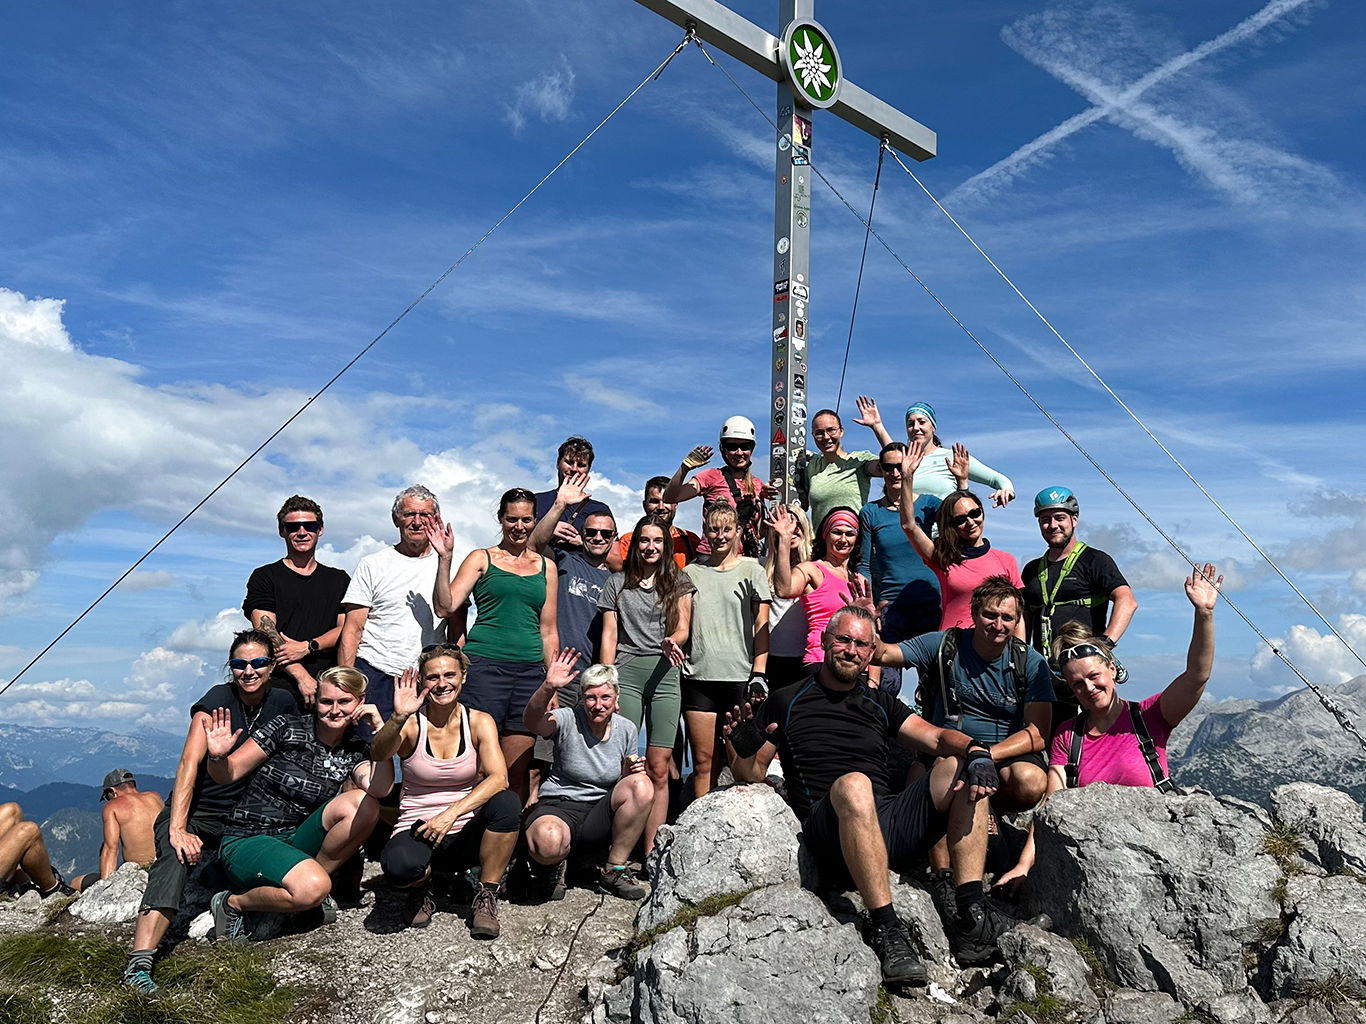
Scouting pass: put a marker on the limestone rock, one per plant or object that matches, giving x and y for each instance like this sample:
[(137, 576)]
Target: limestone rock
[(1326, 937), (201, 927), (1167, 889), (1330, 820), (730, 841), (113, 899), (1245, 1007), (1130, 1007), (778, 955), (1068, 975)]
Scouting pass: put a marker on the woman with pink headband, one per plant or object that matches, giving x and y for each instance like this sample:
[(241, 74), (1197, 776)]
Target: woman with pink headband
[(822, 583)]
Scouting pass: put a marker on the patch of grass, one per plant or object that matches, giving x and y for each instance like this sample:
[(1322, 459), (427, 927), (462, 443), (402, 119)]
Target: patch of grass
[(218, 985), (1096, 977), (1283, 841), (881, 1013), (1045, 1009), (1331, 991), (17, 1008), (55, 906), (685, 918), (1193, 1016), (1279, 889)]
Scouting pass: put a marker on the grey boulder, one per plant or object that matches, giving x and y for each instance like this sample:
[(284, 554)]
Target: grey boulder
[(777, 955), (1329, 819), (113, 899), (730, 841), (1167, 889), (1325, 940), (1068, 976)]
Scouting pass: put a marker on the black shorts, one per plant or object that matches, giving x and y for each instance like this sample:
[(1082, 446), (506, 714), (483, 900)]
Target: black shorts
[(405, 857), (590, 823), (501, 690), (910, 823), (712, 698), (1038, 759)]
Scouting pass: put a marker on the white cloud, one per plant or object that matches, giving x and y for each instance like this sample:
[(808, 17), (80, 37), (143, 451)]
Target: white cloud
[(1320, 656), (598, 392), (211, 634), (548, 96), (159, 684), (348, 558), (154, 580)]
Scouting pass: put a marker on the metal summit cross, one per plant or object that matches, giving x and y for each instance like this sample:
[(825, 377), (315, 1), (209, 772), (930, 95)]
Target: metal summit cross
[(805, 64)]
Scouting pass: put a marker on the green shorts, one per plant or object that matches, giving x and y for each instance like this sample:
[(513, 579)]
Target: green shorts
[(252, 861), (649, 694)]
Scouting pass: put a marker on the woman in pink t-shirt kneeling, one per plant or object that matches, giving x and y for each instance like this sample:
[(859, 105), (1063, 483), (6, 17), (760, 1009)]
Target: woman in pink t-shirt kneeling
[(1106, 742)]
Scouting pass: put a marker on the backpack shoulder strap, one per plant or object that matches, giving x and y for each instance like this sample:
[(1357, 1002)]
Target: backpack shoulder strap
[(1073, 769), (1019, 668), (1161, 782), (948, 680)]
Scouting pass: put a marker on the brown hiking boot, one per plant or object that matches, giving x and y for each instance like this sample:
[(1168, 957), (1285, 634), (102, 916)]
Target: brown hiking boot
[(484, 914), (421, 907)]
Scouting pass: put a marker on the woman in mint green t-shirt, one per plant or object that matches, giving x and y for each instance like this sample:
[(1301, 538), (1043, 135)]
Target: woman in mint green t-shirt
[(839, 478)]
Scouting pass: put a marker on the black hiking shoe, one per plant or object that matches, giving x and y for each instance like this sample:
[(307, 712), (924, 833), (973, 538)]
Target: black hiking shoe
[(945, 895), (900, 965), (974, 933)]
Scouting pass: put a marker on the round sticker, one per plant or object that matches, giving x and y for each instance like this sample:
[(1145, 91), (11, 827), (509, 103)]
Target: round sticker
[(785, 142), (783, 244)]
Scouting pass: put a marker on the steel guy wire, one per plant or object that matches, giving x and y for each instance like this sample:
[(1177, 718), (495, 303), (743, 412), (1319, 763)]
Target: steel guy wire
[(1134, 416), (858, 285), (1329, 704), (354, 359)]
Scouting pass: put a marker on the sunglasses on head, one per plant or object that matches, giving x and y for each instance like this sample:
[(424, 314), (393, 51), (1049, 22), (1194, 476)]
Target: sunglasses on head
[(311, 525), (1081, 651), (591, 532), (240, 664), (962, 520)]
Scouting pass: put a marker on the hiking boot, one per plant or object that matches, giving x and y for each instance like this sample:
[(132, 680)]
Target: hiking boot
[(900, 965), (58, 889), (974, 933), (944, 894), (228, 924), (547, 881), (329, 910), (613, 880), (484, 914), (421, 907), (140, 981)]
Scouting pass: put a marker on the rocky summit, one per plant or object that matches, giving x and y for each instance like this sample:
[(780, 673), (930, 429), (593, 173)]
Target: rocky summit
[(1178, 908)]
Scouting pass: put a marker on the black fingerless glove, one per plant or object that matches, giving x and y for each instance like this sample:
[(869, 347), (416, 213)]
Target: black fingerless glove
[(747, 738), (981, 770)]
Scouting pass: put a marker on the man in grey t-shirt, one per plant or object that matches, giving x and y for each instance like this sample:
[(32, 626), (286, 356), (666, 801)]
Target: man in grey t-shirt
[(598, 794)]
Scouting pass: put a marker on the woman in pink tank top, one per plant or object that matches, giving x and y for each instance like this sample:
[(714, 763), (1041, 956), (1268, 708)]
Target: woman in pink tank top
[(822, 583), (448, 819)]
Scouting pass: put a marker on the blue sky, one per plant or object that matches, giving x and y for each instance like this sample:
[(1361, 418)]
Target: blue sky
[(205, 209)]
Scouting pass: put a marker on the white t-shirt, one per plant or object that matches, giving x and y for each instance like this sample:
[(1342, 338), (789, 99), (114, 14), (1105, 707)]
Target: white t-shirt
[(398, 591)]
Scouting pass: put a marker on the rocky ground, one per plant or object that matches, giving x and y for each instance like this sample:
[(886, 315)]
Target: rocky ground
[(1167, 909)]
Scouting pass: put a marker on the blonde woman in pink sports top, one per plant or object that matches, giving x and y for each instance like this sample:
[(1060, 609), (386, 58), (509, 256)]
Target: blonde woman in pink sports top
[(822, 583), (455, 810)]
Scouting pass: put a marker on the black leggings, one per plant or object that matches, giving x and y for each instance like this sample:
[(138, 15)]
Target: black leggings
[(406, 858)]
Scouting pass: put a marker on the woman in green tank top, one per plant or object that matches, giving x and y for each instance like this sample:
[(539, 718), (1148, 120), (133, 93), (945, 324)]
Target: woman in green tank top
[(514, 636)]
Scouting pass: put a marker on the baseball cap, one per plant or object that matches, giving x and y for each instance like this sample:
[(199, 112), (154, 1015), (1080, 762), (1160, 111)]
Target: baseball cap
[(118, 777)]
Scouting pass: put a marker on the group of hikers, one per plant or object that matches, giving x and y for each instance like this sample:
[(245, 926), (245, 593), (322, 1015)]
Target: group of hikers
[(766, 646)]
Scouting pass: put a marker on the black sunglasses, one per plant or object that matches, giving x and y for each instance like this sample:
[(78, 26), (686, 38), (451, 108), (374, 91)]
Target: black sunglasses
[(737, 446), (975, 513), (240, 664), (605, 534), (311, 525), (895, 467)]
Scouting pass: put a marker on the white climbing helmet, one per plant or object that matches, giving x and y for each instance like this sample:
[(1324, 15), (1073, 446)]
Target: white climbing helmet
[(738, 428)]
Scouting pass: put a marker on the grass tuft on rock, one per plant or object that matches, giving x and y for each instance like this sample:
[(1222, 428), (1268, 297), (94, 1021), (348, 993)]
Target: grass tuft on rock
[(55, 906), (1283, 841), (1096, 977), (1332, 991), (218, 985), (881, 1011), (685, 918), (1044, 1008)]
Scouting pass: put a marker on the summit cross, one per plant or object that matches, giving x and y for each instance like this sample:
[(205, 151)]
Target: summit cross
[(803, 60)]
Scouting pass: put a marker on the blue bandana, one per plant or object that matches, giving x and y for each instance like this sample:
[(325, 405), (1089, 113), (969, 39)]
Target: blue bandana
[(921, 407)]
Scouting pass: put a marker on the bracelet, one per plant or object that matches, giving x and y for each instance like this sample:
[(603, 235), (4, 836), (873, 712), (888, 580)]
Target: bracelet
[(218, 758)]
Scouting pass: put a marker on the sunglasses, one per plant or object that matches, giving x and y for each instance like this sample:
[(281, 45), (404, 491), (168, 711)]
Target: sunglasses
[(1082, 651), (737, 446), (894, 468), (962, 520), (311, 525), (240, 664), (605, 534)]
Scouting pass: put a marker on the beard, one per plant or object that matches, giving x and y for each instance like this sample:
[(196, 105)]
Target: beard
[(845, 672), (1066, 540)]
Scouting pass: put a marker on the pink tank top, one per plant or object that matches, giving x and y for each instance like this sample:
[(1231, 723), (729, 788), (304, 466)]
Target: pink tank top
[(431, 784), (820, 604)]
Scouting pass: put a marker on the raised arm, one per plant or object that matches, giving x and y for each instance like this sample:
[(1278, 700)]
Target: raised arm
[(788, 580), (560, 673), (571, 492), (868, 416), (399, 734), (1185, 691), (920, 540), (448, 599), (1003, 491), (225, 764), (740, 727), (680, 489), (861, 596)]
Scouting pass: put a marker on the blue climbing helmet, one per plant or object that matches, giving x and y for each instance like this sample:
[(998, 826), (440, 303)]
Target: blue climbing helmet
[(1051, 498)]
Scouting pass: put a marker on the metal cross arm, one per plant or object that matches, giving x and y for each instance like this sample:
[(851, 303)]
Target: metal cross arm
[(740, 38)]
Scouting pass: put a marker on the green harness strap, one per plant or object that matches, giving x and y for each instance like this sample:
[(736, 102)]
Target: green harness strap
[(1050, 600)]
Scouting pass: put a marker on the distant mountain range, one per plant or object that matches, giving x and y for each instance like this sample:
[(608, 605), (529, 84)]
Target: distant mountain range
[(1246, 748), (31, 757), (69, 815)]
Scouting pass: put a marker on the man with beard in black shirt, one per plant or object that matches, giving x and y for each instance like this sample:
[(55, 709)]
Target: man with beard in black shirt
[(297, 603), (833, 732)]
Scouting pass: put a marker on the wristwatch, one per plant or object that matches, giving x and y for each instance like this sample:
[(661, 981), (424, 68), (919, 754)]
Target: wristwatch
[(312, 647)]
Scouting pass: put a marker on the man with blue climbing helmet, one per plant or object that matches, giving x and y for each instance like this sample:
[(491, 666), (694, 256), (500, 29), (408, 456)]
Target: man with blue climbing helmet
[(1073, 582)]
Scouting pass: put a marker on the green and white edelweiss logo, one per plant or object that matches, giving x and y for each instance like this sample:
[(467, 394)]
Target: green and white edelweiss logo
[(812, 63)]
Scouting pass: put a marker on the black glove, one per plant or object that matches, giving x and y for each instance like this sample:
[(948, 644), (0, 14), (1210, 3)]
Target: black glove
[(758, 687), (981, 770), (747, 738)]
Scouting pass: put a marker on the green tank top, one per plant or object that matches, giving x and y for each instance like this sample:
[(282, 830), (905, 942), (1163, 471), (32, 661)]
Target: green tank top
[(508, 626)]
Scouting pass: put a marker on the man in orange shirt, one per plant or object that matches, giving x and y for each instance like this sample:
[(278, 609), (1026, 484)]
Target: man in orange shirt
[(685, 541)]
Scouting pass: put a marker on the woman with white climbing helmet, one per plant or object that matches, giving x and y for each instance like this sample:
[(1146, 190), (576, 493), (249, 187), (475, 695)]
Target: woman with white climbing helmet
[(733, 483), (936, 476), (1114, 740)]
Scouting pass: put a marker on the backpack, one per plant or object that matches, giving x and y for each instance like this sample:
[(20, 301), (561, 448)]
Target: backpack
[(948, 679), (1161, 782)]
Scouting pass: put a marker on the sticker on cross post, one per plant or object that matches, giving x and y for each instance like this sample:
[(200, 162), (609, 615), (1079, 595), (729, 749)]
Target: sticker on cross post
[(799, 330), (780, 333), (778, 437), (780, 403), (785, 143), (803, 218), (778, 364)]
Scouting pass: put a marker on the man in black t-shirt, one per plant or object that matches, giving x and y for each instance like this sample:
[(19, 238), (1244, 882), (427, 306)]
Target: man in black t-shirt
[(574, 457), (193, 818), (833, 733), (1072, 582), (297, 602)]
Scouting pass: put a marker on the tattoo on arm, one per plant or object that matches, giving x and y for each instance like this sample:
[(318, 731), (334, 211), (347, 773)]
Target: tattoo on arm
[(268, 628)]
